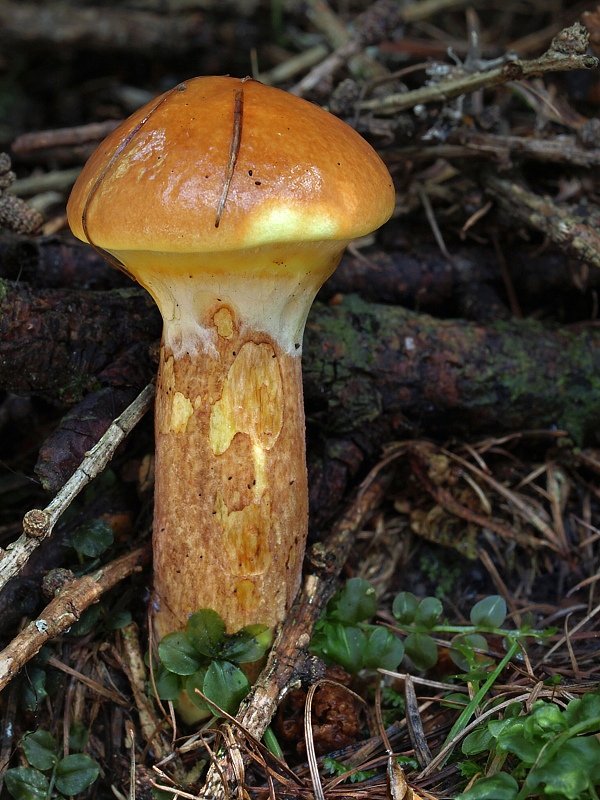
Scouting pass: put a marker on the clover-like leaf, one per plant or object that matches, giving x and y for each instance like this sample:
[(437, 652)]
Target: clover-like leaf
[(345, 645), (405, 607), (421, 649), (92, 538), (196, 681), (33, 689), (497, 787), (75, 773), (489, 613), (226, 685), (572, 772), (465, 651), (247, 645), (206, 631), (79, 736), (40, 749), (356, 602), (86, 622), (428, 613), (383, 650), (478, 741), (168, 685), (178, 654), (584, 709), (26, 783)]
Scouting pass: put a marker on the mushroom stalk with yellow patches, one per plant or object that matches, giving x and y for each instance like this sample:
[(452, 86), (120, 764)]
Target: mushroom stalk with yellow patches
[(231, 203)]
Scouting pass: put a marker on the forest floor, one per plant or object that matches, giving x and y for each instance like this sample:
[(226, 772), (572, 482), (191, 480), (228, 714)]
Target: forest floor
[(452, 394)]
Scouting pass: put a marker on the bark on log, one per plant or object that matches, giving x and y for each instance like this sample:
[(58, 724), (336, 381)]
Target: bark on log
[(370, 371), (411, 273), (61, 343)]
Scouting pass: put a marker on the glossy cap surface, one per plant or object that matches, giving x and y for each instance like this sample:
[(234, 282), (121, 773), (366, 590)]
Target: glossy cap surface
[(300, 175)]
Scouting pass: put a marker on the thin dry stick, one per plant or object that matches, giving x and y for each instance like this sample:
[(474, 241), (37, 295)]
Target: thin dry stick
[(567, 52), (65, 610), (38, 524)]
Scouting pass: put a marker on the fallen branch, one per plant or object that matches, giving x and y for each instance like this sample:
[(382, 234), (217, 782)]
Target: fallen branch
[(370, 371), (568, 51), (38, 524), (65, 610), (575, 234)]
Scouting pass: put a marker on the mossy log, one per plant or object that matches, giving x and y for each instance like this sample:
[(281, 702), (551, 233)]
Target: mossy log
[(369, 370)]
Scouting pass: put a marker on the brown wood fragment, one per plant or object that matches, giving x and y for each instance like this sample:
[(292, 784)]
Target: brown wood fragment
[(64, 611)]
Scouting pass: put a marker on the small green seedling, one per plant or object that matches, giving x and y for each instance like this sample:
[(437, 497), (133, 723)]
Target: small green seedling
[(342, 635), (548, 752), (48, 775), (206, 658)]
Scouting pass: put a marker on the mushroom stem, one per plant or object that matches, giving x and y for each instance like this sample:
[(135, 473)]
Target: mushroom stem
[(231, 493), (232, 423)]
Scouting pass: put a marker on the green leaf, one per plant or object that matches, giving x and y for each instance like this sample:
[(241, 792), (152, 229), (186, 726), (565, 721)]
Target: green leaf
[(356, 602), (405, 607), (168, 685), (383, 649), (498, 787), (178, 654), (78, 736), (345, 646), (75, 773), (489, 612), (40, 749), (544, 722), (87, 621), (226, 685), (26, 783), (249, 644), (463, 650), (571, 771), (478, 741), (93, 538), (422, 650), (428, 612), (512, 737), (118, 620), (193, 682), (206, 631), (33, 689), (584, 709)]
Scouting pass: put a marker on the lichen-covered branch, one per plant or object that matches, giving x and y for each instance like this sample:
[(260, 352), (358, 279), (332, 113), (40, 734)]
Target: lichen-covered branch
[(568, 51)]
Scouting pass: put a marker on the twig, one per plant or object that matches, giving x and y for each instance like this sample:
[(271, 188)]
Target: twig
[(576, 235), (287, 662), (371, 27), (567, 52), (28, 143), (37, 523), (131, 660), (65, 610)]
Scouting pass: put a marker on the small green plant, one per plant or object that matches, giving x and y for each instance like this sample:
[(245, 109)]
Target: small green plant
[(205, 657), (48, 775), (335, 767), (342, 634), (549, 752)]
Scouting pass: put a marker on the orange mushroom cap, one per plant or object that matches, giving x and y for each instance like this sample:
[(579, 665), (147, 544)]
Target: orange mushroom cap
[(301, 174)]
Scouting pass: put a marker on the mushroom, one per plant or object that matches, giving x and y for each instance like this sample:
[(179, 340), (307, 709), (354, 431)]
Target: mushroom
[(231, 202)]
